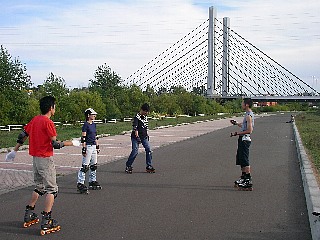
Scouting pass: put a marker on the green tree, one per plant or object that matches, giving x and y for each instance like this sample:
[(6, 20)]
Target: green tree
[(199, 104), (213, 107), (54, 86), (14, 85), (13, 74), (233, 106), (112, 109), (166, 104), (149, 92), (72, 106), (106, 82), (5, 106)]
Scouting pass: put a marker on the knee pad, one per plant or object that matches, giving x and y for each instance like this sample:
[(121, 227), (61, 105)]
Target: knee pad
[(41, 193), (93, 167), (55, 194), (85, 168)]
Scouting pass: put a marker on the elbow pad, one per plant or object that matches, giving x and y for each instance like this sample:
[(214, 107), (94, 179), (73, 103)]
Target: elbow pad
[(57, 145), (21, 137), (83, 139)]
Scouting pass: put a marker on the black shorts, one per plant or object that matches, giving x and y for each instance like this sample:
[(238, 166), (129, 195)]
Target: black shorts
[(242, 157)]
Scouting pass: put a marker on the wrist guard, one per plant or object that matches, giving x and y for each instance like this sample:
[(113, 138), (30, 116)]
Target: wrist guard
[(234, 122), (98, 148), (84, 150), (57, 145)]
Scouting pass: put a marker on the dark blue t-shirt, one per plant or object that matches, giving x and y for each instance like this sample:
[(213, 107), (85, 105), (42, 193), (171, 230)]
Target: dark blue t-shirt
[(91, 131)]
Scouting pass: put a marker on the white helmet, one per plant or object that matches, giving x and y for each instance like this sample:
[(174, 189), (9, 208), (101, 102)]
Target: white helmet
[(90, 111)]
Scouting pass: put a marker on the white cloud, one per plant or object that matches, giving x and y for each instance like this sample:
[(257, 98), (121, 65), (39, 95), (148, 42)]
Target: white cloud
[(73, 40)]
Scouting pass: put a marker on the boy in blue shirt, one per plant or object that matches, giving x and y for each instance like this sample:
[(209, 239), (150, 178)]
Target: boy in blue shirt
[(90, 149)]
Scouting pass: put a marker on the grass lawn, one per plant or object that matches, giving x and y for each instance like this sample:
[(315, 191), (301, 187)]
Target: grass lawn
[(308, 124), (8, 139)]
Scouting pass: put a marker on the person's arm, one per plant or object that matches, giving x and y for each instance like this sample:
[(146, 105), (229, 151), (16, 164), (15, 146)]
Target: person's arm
[(135, 126), (84, 143), (234, 122), (60, 144), (249, 127), (22, 137), (97, 145)]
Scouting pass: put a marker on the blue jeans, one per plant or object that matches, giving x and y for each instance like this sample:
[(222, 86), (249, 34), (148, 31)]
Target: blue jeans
[(89, 160), (135, 149)]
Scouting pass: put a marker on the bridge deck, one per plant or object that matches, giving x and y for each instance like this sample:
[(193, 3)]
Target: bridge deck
[(273, 98)]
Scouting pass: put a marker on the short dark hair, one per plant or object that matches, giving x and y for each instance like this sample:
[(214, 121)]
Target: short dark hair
[(145, 107), (46, 103), (248, 101)]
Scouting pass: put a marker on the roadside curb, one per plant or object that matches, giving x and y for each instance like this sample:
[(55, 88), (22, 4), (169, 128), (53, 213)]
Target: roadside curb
[(310, 185)]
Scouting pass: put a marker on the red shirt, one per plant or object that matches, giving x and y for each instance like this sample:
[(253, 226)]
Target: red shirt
[(40, 130)]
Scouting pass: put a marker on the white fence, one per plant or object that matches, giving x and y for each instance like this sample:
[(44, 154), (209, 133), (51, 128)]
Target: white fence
[(11, 127)]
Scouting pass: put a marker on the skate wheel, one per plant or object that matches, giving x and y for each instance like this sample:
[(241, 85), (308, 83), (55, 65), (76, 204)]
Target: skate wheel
[(28, 224), (245, 189), (42, 232)]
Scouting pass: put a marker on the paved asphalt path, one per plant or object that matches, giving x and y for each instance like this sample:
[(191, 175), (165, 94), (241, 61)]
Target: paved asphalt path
[(191, 196)]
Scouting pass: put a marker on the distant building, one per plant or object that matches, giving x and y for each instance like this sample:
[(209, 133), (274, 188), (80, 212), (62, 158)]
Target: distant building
[(264, 104)]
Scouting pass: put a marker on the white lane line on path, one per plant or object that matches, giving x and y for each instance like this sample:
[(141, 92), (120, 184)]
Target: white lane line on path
[(13, 163), (15, 170), (109, 144), (174, 136), (60, 166)]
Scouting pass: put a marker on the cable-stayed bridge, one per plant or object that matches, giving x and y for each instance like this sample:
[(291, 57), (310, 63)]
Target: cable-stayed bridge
[(215, 61)]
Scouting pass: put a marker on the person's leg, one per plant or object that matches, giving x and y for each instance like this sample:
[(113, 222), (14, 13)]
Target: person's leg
[(239, 156), (50, 183), (84, 168), (93, 184), (38, 180), (51, 189), (239, 162), (134, 152), (30, 217), (48, 203), (34, 199), (246, 169), (245, 164), (93, 163), (147, 148)]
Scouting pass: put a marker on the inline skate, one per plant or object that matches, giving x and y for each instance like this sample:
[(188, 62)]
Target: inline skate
[(246, 185), (48, 224), (150, 169), (82, 188), (94, 185), (129, 169), (30, 217)]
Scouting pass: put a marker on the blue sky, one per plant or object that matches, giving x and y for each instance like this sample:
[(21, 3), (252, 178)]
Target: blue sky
[(71, 38)]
